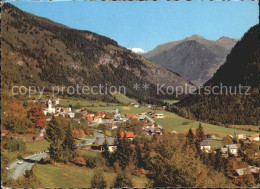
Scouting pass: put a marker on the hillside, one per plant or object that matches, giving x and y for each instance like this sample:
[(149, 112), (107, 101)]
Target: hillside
[(194, 58), (240, 68), (39, 52)]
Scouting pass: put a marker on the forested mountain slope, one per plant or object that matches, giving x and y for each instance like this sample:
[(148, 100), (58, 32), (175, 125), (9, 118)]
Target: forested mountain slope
[(40, 52)]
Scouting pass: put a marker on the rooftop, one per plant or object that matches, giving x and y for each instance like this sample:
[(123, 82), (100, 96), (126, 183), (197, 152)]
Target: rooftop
[(127, 134), (232, 146), (205, 143), (110, 141)]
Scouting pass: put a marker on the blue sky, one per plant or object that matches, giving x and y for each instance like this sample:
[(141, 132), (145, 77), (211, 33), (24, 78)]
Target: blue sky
[(148, 24)]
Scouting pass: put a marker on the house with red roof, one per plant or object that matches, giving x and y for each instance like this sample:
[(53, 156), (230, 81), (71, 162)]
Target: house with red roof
[(66, 109), (148, 125), (128, 135), (102, 114), (89, 115), (254, 137), (90, 119), (130, 116)]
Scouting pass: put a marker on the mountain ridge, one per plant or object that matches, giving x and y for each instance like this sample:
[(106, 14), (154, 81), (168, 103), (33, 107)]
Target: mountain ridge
[(203, 68), (42, 52)]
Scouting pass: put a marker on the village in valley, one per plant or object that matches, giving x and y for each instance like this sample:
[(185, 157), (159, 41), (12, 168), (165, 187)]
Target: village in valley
[(96, 128)]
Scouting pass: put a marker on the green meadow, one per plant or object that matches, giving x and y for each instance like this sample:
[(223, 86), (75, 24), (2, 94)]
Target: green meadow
[(70, 176), (34, 147), (174, 122)]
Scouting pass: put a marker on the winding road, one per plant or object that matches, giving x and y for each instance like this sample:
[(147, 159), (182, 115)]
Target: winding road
[(17, 170)]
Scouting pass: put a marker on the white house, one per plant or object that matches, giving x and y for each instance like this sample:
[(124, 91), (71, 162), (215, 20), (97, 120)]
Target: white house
[(136, 105), (205, 146), (231, 148), (71, 114), (97, 119), (240, 135), (110, 143), (158, 116)]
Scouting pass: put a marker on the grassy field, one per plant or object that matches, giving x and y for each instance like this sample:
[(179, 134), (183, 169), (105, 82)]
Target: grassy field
[(180, 124), (68, 176), (171, 101), (86, 103), (174, 122), (122, 109), (92, 153), (12, 156), (124, 99), (36, 146)]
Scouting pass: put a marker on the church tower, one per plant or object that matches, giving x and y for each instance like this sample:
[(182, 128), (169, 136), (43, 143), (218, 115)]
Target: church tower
[(49, 104)]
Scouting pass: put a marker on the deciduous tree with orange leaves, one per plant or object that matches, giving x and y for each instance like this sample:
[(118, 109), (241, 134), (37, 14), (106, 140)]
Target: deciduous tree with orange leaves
[(15, 109), (37, 117)]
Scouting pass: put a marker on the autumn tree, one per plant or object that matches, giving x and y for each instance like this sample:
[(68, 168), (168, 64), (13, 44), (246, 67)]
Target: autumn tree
[(79, 161), (176, 165), (37, 117), (14, 117), (15, 109), (231, 166)]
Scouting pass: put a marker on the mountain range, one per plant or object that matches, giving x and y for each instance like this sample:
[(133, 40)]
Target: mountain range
[(241, 68), (194, 58), (39, 52)]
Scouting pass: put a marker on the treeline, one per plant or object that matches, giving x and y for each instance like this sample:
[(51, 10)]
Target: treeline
[(220, 109)]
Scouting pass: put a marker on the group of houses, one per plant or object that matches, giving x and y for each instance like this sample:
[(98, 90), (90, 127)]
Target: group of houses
[(229, 148), (53, 107), (233, 149), (150, 129)]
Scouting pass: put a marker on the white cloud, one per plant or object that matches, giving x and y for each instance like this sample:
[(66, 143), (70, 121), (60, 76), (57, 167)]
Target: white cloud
[(137, 50)]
